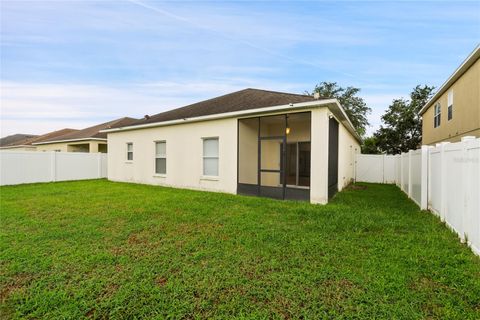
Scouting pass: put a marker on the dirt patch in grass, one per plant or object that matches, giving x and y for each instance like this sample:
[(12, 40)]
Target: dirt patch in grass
[(18, 282), (338, 290), (161, 281), (356, 187)]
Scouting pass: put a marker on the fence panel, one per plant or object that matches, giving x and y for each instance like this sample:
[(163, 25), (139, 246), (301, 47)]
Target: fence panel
[(435, 179), (405, 172), (416, 176), (369, 168), (471, 218), (444, 179), (18, 167), (389, 169), (455, 198)]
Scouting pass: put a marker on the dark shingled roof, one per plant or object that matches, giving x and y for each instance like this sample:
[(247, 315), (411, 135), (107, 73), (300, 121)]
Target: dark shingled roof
[(51, 135), (236, 101), (92, 132), (16, 139)]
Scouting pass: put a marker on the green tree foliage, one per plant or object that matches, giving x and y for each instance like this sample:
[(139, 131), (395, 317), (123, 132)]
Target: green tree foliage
[(355, 107), (401, 128), (370, 146)]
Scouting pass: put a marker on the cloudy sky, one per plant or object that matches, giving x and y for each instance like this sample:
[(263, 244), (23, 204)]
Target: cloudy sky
[(75, 64)]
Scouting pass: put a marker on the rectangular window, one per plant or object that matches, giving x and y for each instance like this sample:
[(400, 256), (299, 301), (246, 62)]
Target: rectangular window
[(129, 151), (161, 157), (210, 157), (437, 115), (450, 105)]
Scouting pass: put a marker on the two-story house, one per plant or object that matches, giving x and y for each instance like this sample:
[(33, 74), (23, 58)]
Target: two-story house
[(454, 110)]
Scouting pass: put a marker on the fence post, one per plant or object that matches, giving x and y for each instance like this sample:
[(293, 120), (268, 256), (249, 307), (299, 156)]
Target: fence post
[(53, 166), (409, 191), (424, 179)]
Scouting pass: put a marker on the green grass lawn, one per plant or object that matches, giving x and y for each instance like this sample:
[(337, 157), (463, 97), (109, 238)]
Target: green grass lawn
[(99, 249)]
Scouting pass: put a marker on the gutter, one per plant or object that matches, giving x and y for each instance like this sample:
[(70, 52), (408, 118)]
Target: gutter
[(68, 140), (243, 113)]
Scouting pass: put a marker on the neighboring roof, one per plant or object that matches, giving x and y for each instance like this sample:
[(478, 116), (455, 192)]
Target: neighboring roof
[(467, 63), (236, 101), (240, 104), (16, 139), (28, 142), (90, 133), (51, 135)]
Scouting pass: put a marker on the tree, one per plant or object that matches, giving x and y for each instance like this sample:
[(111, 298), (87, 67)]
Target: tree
[(370, 145), (402, 124), (354, 106)]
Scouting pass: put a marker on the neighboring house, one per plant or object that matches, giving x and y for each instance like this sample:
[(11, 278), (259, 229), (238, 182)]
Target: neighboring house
[(454, 110), (252, 142), (15, 140), (85, 140), (27, 143)]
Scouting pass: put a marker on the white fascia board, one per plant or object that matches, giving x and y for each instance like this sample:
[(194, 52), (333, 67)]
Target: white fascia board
[(69, 140), (466, 64)]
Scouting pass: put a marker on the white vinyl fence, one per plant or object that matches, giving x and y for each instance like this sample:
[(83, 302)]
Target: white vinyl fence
[(444, 179), (29, 166)]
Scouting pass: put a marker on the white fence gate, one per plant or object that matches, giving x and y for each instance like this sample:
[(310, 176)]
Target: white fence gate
[(444, 179), (18, 167)]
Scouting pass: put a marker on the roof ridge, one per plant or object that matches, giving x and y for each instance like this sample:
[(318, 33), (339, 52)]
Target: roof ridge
[(281, 92), (225, 95)]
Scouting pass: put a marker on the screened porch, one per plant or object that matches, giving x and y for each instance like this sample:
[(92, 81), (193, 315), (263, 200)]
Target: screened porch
[(274, 155)]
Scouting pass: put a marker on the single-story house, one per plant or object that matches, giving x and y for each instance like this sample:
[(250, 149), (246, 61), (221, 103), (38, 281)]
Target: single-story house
[(26, 143), (15, 139), (86, 140), (251, 142), (454, 110)]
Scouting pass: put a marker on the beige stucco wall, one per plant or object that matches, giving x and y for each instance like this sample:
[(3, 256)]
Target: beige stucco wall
[(184, 155), (348, 146), (466, 110), (71, 146), (185, 149), (319, 156)]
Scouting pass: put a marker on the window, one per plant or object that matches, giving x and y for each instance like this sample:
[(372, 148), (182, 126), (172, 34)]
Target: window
[(436, 117), (129, 151), (161, 157), (450, 105), (210, 157)]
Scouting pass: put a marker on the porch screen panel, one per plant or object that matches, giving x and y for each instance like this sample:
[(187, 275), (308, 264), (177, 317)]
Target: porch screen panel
[(248, 151), (298, 149), (272, 126)]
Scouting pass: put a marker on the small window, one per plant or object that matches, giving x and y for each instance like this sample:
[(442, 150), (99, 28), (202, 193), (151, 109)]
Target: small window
[(161, 157), (210, 157), (450, 106), (129, 151), (437, 115)]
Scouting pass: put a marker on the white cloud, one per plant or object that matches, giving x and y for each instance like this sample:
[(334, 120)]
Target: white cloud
[(40, 108)]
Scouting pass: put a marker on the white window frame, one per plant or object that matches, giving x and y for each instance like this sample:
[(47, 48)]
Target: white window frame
[(450, 106), (160, 156), (205, 176), (437, 113), (127, 151)]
